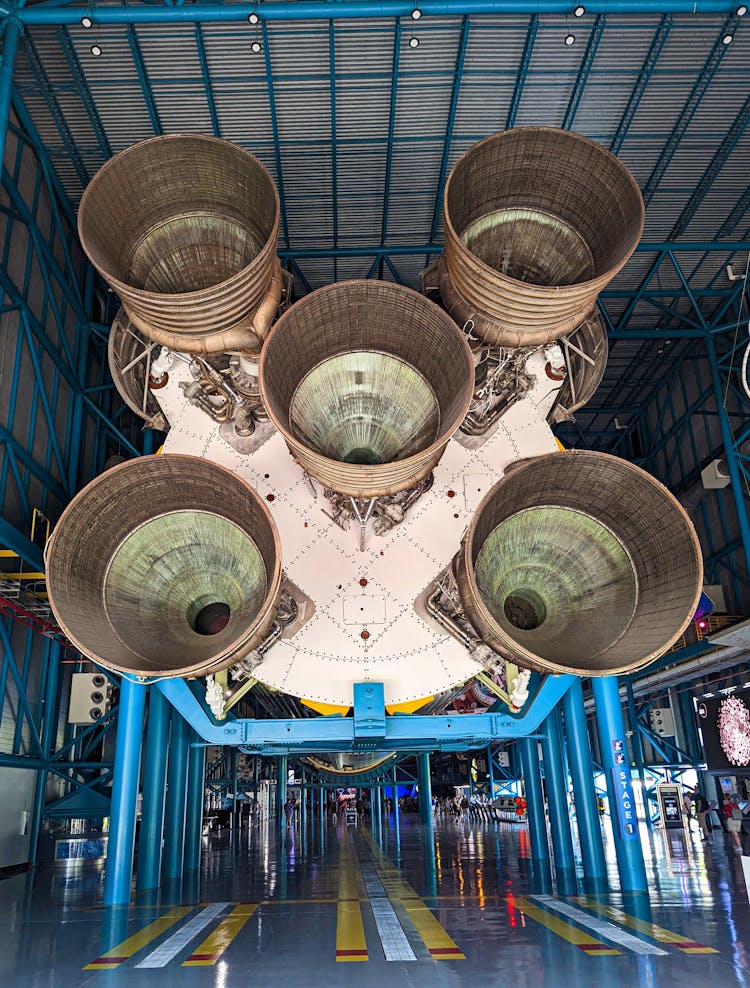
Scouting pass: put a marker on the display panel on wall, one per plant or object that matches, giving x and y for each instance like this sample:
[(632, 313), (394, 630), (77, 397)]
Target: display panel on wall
[(725, 723)]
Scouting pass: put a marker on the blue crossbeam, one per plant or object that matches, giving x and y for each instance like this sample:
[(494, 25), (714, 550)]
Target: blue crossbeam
[(401, 733)]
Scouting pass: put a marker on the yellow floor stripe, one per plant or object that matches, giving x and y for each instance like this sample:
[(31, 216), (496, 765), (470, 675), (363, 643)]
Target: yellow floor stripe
[(123, 951), (351, 944), (432, 933), (676, 940), (570, 933), (216, 943)]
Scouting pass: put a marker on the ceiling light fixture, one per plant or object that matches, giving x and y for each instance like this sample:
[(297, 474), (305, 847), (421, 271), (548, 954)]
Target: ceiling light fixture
[(86, 21), (416, 14), (727, 39), (579, 11), (256, 47), (96, 50), (414, 42), (253, 18), (570, 39), (741, 10)]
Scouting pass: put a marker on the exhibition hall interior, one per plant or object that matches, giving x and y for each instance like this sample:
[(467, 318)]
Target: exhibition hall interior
[(375, 486)]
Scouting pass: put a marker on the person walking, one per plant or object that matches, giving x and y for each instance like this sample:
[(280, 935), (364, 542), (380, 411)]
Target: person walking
[(701, 812), (733, 815)]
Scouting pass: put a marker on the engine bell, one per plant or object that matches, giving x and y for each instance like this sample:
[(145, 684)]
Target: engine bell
[(165, 566), (579, 562)]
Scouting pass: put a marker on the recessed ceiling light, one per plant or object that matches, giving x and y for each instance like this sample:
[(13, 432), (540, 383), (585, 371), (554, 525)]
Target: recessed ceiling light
[(570, 39), (416, 14), (253, 18), (96, 50), (579, 11), (727, 39), (256, 46), (86, 22), (414, 42)]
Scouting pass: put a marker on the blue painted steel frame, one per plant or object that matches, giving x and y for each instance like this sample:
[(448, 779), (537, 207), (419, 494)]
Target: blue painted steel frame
[(317, 9), (409, 732)]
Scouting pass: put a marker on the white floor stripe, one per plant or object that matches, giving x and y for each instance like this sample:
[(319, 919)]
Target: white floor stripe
[(603, 929), (179, 940), (396, 946)]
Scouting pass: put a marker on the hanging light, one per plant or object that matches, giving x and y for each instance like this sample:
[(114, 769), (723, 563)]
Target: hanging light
[(86, 21), (579, 11), (727, 39), (416, 14), (741, 10), (256, 47), (570, 39), (253, 18), (96, 50), (414, 42)]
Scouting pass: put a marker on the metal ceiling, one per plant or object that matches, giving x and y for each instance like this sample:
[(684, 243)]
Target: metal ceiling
[(359, 129)]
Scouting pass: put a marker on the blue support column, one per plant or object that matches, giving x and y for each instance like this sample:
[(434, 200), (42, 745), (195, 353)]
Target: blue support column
[(174, 831), (532, 778), (49, 726), (630, 864), (582, 773), (195, 798), (425, 788), (378, 812), (281, 775), (557, 801), (154, 792), (121, 844), (303, 802)]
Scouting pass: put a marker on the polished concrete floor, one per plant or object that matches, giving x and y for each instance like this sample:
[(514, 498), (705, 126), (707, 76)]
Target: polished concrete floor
[(338, 906)]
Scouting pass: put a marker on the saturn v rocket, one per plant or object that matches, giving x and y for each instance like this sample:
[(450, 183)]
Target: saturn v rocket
[(364, 485)]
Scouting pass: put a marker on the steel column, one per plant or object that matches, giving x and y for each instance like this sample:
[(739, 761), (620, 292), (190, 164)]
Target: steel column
[(532, 778), (195, 791), (425, 788), (611, 728), (154, 791), (121, 844), (281, 776), (174, 831), (582, 773), (557, 801), (11, 34), (49, 726), (735, 475)]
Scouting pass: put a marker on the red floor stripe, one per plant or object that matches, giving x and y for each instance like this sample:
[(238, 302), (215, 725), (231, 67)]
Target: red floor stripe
[(204, 957), (351, 953), (109, 960)]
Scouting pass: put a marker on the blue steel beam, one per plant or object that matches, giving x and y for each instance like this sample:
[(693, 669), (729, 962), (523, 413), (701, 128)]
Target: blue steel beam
[(84, 93), (587, 63), (457, 78), (410, 733), (31, 136), (200, 46), (727, 146), (702, 83), (48, 93), (523, 70), (140, 68), (644, 77), (320, 9), (11, 35), (391, 130), (275, 131), (334, 150)]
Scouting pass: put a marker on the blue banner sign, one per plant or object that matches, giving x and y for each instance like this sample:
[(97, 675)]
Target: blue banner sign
[(625, 802)]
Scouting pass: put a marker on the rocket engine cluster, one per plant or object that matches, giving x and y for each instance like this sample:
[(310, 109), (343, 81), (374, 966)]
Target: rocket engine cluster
[(171, 565)]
